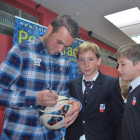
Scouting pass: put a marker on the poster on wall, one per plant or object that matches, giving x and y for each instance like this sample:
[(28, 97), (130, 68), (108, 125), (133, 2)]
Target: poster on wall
[(26, 30)]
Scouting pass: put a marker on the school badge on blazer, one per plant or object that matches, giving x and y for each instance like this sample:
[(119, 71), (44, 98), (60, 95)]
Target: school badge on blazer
[(102, 108), (134, 101)]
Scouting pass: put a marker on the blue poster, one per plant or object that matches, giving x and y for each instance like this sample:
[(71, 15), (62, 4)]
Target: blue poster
[(27, 30), (71, 53)]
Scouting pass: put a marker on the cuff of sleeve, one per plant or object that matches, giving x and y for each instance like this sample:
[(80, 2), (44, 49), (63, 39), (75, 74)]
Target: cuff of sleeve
[(31, 100), (71, 98)]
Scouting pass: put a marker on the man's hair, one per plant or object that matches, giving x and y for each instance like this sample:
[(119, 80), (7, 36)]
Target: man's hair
[(130, 51), (67, 21), (86, 46)]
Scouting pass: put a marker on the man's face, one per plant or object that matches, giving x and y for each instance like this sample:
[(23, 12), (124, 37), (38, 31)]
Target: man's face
[(127, 70), (58, 41), (88, 63)]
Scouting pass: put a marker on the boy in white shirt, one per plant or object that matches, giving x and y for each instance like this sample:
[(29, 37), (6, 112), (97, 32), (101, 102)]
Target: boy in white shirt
[(128, 57)]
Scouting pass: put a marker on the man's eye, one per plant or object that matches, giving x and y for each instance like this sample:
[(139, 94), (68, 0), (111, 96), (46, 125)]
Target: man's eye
[(59, 42), (81, 60)]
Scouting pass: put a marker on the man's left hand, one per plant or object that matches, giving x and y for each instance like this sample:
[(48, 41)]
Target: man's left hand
[(74, 112)]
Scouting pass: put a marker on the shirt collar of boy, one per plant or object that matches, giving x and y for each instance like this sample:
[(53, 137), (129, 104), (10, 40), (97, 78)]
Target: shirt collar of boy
[(93, 79), (135, 83)]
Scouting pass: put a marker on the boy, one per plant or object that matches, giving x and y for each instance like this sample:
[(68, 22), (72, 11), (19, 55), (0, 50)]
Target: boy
[(102, 106), (128, 57)]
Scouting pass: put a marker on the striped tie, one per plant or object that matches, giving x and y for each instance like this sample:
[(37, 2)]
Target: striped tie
[(88, 85)]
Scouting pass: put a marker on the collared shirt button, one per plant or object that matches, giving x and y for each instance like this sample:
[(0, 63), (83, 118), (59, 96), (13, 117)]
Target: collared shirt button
[(31, 106), (83, 122)]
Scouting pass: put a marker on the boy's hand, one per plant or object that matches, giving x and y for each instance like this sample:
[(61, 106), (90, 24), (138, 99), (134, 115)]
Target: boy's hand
[(74, 112)]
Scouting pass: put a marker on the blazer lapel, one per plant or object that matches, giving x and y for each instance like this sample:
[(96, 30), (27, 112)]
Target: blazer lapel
[(95, 90), (79, 92)]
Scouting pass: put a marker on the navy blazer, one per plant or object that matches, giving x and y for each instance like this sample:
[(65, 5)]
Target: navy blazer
[(131, 118), (95, 122)]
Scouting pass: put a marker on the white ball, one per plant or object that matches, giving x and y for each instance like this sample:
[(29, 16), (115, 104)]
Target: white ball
[(54, 117)]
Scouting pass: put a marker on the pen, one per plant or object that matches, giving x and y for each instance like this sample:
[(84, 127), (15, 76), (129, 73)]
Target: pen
[(50, 90), (48, 87)]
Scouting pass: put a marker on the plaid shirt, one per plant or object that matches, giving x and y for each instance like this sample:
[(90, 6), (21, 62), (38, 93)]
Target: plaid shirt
[(27, 69)]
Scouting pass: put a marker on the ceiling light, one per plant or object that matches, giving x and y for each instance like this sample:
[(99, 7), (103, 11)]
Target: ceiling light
[(126, 19), (136, 39)]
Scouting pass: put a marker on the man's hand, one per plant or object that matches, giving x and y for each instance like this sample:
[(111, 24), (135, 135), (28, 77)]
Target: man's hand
[(74, 112), (46, 98)]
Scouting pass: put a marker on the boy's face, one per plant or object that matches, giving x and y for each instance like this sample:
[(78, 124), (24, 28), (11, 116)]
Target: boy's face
[(127, 70), (88, 64)]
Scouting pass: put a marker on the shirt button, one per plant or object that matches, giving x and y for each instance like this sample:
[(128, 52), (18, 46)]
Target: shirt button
[(83, 122), (31, 106)]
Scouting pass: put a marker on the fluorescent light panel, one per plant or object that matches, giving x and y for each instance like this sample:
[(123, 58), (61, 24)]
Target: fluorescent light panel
[(125, 19), (136, 39)]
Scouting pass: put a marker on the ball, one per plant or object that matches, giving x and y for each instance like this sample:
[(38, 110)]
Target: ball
[(54, 117)]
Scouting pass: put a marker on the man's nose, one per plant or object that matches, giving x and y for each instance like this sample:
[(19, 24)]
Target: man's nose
[(61, 48)]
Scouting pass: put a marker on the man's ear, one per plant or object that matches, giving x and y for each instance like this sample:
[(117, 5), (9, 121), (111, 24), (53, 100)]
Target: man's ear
[(50, 29)]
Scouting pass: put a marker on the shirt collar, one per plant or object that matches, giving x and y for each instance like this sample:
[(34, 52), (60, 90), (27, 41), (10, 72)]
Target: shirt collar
[(93, 79), (135, 83)]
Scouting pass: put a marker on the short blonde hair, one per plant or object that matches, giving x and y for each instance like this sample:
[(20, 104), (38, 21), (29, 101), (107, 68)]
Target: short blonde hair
[(86, 46), (130, 51), (124, 91)]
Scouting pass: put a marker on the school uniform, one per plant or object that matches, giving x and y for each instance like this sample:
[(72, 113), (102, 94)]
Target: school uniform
[(101, 117), (131, 118)]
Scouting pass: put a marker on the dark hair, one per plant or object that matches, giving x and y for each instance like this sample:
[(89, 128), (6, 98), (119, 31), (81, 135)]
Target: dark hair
[(67, 21)]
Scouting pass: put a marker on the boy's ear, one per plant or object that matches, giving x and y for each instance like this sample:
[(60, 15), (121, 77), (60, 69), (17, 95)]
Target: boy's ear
[(99, 61), (138, 65)]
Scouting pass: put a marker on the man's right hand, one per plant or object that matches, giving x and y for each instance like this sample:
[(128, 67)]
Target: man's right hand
[(46, 98)]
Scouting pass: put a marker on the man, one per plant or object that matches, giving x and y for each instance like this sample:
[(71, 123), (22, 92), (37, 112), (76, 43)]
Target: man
[(100, 96), (26, 71)]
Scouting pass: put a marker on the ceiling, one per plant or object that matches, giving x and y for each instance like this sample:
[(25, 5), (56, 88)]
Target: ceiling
[(90, 16)]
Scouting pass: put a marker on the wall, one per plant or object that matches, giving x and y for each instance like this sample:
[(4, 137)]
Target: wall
[(45, 16), (5, 45)]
